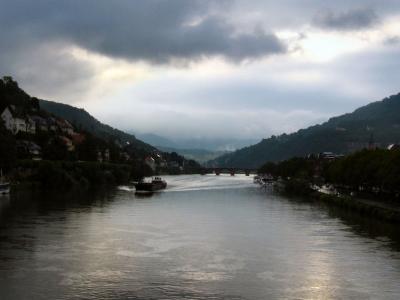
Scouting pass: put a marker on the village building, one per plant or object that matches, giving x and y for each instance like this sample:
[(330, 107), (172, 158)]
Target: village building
[(68, 143), (51, 124), (78, 138), (125, 156), (393, 147), (329, 155), (41, 123), (107, 155), (29, 149), (15, 122), (150, 162), (65, 126), (99, 156), (30, 126)]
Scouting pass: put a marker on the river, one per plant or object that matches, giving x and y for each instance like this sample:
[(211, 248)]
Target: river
[(205, 237)]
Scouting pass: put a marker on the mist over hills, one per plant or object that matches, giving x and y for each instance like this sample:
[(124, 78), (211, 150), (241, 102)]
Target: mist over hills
[(376, 124), (199, 149), (199, 143)]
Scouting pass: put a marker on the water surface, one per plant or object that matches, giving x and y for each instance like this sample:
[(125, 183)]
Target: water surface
[(205, 237)]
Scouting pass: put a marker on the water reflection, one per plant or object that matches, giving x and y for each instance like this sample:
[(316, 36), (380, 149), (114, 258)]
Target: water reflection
[(205, 237)]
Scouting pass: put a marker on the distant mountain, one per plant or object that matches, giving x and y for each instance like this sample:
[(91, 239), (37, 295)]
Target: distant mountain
[(210, 144), (156, 140), (376, 124), (82, 119), (178, 146), (199, 155)]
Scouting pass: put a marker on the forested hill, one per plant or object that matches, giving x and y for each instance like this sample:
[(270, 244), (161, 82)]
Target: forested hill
[(82, 119), (376, 124)]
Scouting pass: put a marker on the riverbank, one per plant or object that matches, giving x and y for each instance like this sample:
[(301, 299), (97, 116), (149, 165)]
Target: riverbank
[(366, 207), (67, 175), (382, 210)]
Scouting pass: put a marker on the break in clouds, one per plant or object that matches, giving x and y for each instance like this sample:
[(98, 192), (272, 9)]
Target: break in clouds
[(126, 61)]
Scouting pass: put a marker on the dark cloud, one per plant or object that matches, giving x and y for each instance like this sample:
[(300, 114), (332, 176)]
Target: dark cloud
[(158, 31), (355, 19), (48, 68)]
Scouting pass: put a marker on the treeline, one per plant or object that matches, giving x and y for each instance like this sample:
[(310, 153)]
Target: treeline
[(375, 171), (65, 175), (297, 167), (367, 171), (298, 173)]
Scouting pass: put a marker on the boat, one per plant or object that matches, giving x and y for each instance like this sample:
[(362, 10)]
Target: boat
[(4, 186), (150, 186)]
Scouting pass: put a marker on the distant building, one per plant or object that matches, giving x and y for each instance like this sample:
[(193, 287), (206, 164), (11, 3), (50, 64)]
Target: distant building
[(150, 162), (30, 149), (78, 138), (68, 143), (41, 123), (125, 156), (30, 126), (99, 156), (394, 147), (51, 124), (107, 155), (65, 126), (16, 122), (329, 155)]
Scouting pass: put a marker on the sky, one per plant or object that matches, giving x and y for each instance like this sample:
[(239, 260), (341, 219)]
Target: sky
[(204, 68)]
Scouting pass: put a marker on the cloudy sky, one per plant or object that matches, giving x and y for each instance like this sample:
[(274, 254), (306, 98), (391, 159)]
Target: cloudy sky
[(204, 68)]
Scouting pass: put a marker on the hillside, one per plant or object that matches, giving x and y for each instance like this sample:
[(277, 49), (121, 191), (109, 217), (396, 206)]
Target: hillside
[(36, 130), (377, 123), (82, 119), (199, 155)]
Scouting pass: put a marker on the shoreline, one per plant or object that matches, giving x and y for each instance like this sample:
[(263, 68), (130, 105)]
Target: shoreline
[(362, 206), (381, 210)]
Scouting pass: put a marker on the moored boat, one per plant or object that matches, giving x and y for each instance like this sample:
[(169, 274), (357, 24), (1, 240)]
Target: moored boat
[(150, 186)]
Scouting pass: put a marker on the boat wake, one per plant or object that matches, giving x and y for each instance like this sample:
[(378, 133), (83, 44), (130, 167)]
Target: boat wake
[(207, 182), (184, 183)]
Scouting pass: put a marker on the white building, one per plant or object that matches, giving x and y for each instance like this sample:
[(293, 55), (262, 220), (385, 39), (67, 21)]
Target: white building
[(15, 123)]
